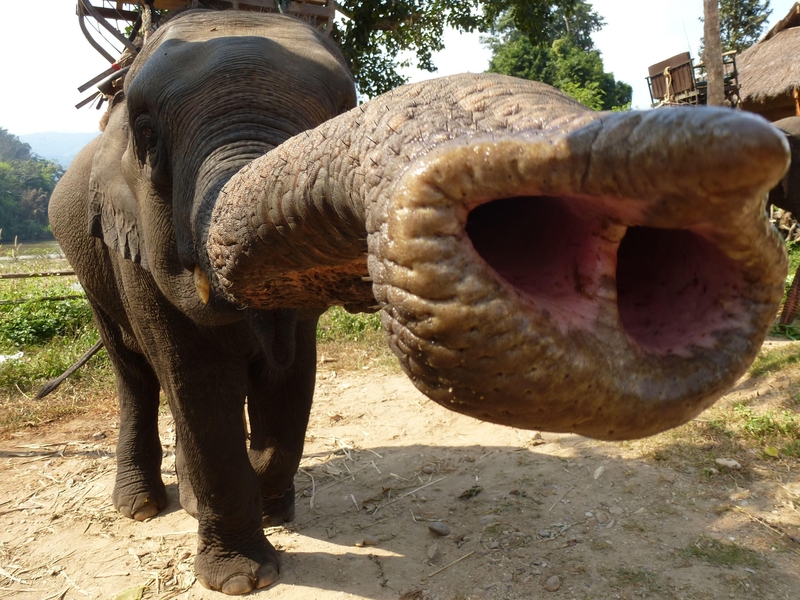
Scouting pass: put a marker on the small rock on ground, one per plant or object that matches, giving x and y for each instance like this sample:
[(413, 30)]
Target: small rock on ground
[(489, 520), (439, 528), (553, 583)]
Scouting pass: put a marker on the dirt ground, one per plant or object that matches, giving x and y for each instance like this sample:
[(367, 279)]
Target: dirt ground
[(529, 515)]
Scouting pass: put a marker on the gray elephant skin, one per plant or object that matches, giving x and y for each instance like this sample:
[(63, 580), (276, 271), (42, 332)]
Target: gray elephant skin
[(786, 195), (537, 264)]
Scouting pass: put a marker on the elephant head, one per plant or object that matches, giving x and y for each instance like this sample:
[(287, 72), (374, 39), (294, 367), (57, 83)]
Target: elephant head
[(537, 264), (209, 93)]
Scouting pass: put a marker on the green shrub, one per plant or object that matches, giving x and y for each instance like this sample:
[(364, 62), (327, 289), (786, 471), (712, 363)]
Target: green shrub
[(34, 323), (338, 325)]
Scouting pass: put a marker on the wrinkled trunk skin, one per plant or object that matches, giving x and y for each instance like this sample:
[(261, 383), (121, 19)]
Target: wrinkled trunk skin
[(537, 264)]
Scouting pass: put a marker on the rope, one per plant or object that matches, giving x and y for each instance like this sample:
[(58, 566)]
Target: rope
[(668, 78)]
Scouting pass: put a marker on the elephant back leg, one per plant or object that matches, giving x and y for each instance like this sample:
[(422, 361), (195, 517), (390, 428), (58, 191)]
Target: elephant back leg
[(139, 491), (278, 406)]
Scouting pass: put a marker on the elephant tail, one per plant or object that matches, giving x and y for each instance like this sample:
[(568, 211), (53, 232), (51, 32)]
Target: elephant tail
[(53, 384)]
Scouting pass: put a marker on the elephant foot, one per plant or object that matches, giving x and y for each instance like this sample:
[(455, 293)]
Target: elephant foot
[(277, 510), (140, 500), (236, 573)]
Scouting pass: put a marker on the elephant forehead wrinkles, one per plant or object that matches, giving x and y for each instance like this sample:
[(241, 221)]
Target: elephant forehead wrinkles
[(285, 31), (220, 77)]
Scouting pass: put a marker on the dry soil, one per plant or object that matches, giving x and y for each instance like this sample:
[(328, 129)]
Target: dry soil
[(529, 515)]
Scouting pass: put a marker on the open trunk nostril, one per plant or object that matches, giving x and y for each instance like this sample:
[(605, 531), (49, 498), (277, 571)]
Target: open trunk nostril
[(675, 288), (557, 255)]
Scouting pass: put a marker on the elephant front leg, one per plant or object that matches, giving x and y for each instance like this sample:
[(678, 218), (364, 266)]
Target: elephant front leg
[(279, 403), (233, 556), (139, 491)]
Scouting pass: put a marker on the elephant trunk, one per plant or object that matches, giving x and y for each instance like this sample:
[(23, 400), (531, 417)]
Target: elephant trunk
[(538, 265)]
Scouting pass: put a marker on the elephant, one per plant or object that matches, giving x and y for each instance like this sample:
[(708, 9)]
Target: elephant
[(120, 214), (536, 264), (786, 195)]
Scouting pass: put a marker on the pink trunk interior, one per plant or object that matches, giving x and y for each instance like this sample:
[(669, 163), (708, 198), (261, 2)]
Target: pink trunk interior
[(672, 287)]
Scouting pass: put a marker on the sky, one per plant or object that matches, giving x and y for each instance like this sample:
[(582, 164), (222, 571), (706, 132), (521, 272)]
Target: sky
[(45, 56)]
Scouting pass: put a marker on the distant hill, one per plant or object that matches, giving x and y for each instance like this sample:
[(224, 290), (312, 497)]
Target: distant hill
[(60, 147)]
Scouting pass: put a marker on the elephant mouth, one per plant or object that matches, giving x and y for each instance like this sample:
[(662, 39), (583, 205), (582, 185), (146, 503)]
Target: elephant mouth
[(670, 288)]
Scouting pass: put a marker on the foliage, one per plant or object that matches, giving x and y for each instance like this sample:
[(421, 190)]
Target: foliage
[(741, 23), (26, 182), (50, 335), (338, 325), (566, 60), (35, 322), (374, 33), (50, 359)]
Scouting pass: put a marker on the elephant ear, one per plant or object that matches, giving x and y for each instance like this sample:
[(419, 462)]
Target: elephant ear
[(113, 211)]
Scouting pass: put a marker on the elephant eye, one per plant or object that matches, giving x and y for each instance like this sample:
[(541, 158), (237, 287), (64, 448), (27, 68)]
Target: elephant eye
[(146, 137), (144, 129)]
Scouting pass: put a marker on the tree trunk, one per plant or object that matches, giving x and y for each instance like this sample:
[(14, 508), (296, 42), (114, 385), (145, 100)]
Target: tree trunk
[(712, 53)]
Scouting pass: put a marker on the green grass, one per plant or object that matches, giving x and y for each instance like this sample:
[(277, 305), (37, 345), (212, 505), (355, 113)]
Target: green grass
[(768, 425), (52, 335), (793, 248), (722, 554), (338, 325), (775, 360), (790, 331)]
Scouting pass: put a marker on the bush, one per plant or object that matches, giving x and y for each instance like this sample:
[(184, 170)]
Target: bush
[(35, 323), (338, 325)]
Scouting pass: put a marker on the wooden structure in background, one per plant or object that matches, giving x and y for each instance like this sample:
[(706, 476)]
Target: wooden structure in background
[(678, 80), (769, 71)]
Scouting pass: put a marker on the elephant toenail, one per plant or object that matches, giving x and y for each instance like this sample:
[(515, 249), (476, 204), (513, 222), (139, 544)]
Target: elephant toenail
[(235, 585), (145, 512), (267, 575)]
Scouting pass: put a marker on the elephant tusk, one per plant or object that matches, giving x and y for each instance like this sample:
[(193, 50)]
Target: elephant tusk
[(201, 284)]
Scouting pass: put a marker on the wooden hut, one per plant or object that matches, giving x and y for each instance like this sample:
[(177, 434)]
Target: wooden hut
[(769, 71)]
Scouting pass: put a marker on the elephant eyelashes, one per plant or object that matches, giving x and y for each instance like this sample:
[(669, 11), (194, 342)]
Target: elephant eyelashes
[(146, 137)]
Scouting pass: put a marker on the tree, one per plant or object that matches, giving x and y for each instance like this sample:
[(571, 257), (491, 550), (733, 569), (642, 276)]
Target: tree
[(374, 33), (26, 182), (566, 58), (712, 53), (741, 23)]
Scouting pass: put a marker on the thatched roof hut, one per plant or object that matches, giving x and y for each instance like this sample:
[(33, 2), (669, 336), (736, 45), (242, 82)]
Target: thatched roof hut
[(769, 71)]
